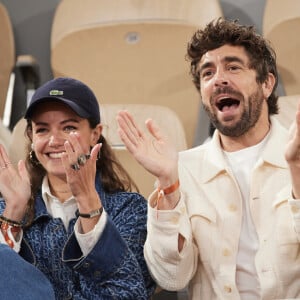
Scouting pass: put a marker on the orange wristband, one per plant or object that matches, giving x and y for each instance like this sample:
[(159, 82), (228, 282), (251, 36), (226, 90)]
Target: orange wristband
[(170, 189), (166, 191)]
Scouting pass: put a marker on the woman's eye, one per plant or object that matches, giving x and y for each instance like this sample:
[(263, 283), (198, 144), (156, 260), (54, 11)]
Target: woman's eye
[(40, 130), (70, 128)]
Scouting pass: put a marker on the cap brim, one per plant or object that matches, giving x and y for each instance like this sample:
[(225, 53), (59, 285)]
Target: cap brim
[(78, 110)]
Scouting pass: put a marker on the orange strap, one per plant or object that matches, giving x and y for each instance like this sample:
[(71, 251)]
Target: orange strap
[(166, 191), (170, 189)]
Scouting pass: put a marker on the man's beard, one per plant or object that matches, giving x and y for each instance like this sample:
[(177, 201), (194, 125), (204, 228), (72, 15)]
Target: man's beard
[(248, 118)]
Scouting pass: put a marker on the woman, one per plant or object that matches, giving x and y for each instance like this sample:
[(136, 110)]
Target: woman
[(67, 209)]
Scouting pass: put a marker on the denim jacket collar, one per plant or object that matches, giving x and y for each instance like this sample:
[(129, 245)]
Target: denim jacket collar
[(40, 207)]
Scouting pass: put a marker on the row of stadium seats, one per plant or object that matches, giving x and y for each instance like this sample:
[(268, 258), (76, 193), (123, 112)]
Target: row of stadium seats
[(132, 54)]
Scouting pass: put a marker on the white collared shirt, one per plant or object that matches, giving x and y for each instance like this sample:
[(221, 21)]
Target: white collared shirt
[(66, 211)]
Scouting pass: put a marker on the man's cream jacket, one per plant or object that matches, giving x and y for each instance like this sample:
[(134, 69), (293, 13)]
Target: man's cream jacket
[(209, 217)]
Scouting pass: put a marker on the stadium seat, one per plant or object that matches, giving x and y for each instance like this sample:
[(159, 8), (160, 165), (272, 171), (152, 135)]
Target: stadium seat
[(18, 75), (281, 24), (8, 55), (132, 51), (287, 109), (165, 119), (7, 62)]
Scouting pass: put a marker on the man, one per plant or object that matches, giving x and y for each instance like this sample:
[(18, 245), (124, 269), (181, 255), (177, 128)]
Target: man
[(229, 228)]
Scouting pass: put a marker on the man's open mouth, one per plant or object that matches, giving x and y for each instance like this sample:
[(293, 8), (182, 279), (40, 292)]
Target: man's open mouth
[(225, 103)]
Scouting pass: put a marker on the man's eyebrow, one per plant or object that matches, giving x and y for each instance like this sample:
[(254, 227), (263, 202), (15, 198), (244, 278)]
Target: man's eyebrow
[(233, 59), (226, 59)]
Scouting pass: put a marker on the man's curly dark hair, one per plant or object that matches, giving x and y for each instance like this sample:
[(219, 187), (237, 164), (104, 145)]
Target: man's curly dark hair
[(222, 32)]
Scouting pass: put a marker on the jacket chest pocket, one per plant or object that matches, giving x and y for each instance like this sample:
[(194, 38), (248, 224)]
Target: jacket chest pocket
[(288, 243), (286, 237), (204, 226)]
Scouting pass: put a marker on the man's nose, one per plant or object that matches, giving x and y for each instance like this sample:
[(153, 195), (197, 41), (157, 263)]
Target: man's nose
[(221, 78)]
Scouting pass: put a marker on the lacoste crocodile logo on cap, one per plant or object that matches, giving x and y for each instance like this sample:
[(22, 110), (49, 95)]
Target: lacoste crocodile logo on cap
[(56, 93)]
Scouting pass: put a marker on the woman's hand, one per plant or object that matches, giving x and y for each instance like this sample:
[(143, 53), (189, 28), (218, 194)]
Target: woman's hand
[(82, 180), (14, 186)]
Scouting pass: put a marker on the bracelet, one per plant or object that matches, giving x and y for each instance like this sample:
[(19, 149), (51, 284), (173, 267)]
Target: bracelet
[(7, 231), (166, 191), (170, 189), (10, 222), (92, 214)]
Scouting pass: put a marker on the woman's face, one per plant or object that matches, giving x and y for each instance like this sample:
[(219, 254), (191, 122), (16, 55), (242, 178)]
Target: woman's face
[(52, 124)]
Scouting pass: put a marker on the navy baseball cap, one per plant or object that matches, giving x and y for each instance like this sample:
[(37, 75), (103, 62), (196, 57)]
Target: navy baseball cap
[(74, 93)]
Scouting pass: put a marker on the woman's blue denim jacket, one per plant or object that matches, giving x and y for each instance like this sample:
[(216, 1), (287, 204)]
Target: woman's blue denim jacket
[(114, 269)]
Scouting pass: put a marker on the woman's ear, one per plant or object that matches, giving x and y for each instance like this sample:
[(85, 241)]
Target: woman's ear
[(268, 85), (96, 133)]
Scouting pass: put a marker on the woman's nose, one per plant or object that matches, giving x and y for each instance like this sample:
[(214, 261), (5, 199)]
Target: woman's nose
[(55, 140)]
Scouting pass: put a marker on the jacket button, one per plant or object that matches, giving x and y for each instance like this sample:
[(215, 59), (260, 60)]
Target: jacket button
[(175, 220), (227, 288), (226, 252), (232, 207)]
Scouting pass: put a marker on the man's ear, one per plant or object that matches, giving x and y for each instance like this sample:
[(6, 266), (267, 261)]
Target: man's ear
[(268, 85)]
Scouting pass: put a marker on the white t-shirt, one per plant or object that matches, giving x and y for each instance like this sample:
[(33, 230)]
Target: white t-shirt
[(242, 163)]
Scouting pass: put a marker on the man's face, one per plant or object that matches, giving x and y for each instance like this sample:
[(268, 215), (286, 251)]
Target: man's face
[(230, 93)]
